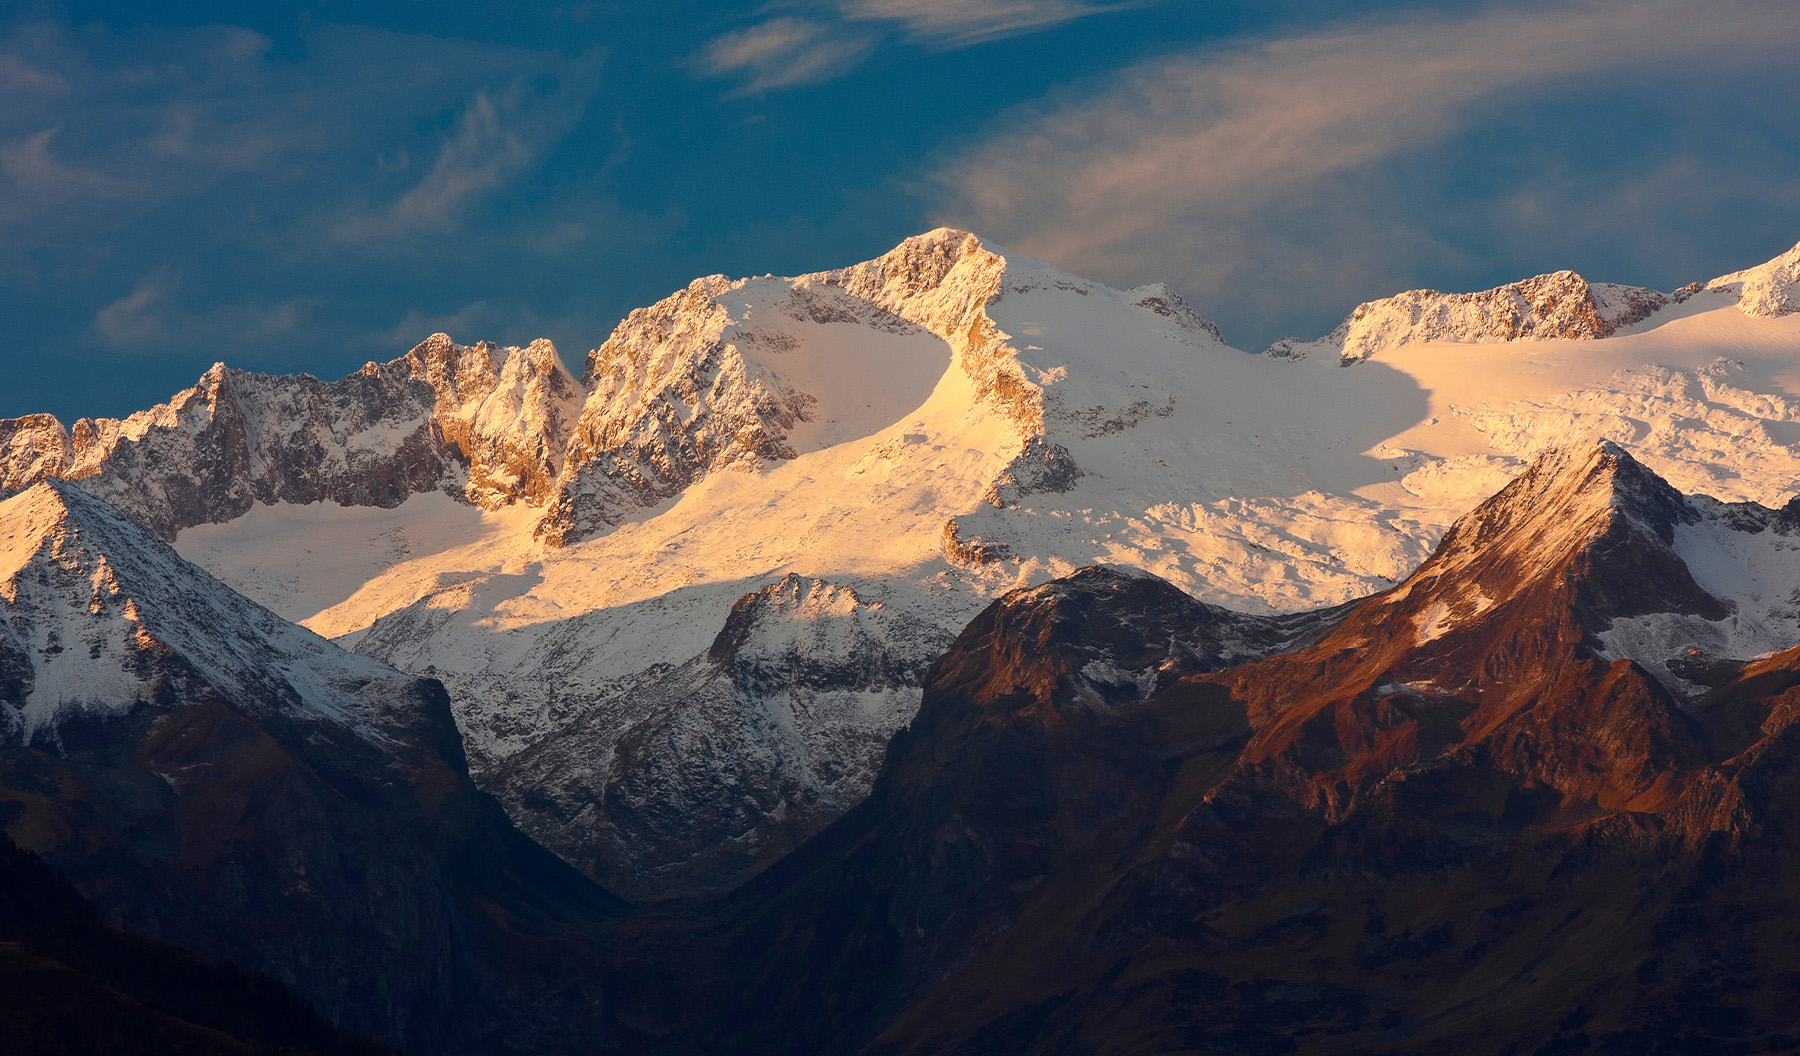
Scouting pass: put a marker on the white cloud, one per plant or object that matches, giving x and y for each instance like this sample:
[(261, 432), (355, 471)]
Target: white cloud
[(1174, 164), (956, 23), (780, 53), (133, 320)]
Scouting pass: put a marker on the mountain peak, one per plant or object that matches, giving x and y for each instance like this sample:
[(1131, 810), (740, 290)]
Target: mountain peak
[(101, 617), (1768, 290), (1589, 524)]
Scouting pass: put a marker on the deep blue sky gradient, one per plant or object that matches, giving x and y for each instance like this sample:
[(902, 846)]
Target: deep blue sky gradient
[(308, 187)]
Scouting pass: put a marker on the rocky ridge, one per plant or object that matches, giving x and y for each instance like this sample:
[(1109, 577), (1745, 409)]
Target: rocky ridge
[(484, 423), (691, 385), (698, 775), (100, 622), (1560, 305)]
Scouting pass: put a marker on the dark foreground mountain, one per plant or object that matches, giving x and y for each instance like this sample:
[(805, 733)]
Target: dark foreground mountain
[(1462, 819), (70, 982), (210, 775)]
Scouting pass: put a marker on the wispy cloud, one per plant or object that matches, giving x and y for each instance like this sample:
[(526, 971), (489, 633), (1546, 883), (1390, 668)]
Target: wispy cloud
[(499, 136), (98, 130), (33, 178), (18, 77), (149, 319), (1173, 163), (787, 51), (781, 53), (957, 23)]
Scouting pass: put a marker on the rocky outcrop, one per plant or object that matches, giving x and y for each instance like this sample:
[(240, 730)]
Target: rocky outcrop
[(943, 280), (509, 412), (696, 777), (972, 550), (673, 397), (1041, 468), (1162, 300)]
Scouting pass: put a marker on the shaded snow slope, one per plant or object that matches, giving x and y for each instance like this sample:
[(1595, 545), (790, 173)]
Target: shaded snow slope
[(100, 617)]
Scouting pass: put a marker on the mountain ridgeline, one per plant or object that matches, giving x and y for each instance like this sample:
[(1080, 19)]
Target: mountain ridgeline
[(939, 654), (1445, 818)]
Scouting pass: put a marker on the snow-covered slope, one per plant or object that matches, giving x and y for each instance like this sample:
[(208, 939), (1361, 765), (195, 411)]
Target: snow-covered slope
[(928, 430)]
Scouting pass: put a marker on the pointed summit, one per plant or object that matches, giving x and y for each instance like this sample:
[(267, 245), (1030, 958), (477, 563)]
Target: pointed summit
[(213, 776), (1593, 521), (101, 617), (1502, 644)]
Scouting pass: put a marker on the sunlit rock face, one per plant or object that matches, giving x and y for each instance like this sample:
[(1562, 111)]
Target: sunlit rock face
[(1560, 305), (484, 423), (1767, 290)]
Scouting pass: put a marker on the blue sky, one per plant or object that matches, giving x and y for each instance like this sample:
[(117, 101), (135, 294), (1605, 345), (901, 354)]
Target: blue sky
[(308, 187)]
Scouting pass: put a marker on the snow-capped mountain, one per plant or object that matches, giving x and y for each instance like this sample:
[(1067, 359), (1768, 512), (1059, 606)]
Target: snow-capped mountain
[(695, 776), (1558, 306), (1451, 819), (921, 432), (211, 775)]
